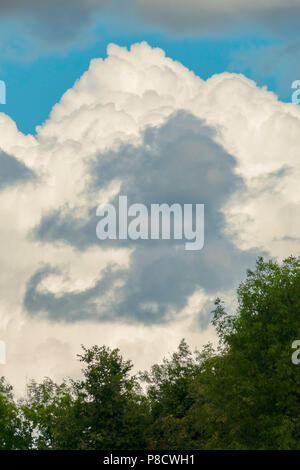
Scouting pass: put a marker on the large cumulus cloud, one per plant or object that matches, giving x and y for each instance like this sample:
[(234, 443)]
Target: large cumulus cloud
[(140, 123)]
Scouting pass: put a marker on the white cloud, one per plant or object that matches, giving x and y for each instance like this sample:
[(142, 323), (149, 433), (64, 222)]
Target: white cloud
[(112, 104)]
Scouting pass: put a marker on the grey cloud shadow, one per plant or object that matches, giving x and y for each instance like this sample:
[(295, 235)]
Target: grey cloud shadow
[(179, 162), (211, 19), (53, 21), (12, 171), (57, 23)]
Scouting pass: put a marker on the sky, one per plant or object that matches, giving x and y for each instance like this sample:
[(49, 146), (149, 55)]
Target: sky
[(163, 101)]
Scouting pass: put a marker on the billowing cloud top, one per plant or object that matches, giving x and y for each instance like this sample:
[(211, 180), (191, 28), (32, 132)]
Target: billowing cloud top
[(141, 124)]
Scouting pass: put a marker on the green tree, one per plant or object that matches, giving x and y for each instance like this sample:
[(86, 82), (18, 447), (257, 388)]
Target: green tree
[(47, 413), (172, 397), (253, 387), (169, 383), (13, 434), (103, 410), (114, 412)]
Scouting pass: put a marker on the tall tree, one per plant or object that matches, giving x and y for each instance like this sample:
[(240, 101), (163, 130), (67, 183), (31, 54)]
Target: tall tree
[(13, 435), (114, 411), (253, 387), (171, 393), (103, 410)]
